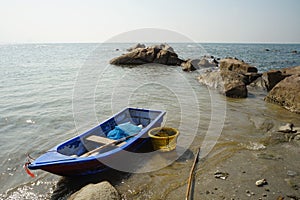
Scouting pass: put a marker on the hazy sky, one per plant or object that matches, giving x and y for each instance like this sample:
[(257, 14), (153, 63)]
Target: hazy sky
[(98, 20)]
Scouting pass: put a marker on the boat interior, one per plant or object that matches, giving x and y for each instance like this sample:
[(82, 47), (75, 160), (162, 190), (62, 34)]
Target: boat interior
[(96, 137)]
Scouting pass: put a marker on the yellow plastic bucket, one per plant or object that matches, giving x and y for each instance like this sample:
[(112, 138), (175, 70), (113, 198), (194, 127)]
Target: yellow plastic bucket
[(163, 138)]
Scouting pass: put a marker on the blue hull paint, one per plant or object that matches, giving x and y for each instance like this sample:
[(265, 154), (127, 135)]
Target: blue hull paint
[(64, 159)]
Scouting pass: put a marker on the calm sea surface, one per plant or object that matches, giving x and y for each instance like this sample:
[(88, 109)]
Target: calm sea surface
[(51, 92)]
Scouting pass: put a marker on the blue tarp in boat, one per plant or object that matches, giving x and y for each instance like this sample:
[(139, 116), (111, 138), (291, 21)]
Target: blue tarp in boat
[(123, 130)]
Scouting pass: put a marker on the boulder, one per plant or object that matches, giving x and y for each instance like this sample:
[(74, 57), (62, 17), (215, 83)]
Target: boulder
[(103, 191), (286, 93), (138, 45), (234, 84), (258, 84), (233, 64), (229, 83), (232, 78), (153, 54), (167, 58), (272, 77), (251, 77), (164, 46), (188, 66), (206, 63), (195, 63)]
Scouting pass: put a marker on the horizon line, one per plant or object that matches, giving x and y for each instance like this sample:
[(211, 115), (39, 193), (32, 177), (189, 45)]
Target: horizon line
[(131, 42)]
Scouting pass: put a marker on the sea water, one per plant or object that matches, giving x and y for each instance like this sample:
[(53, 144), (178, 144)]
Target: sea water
[(52, 92)]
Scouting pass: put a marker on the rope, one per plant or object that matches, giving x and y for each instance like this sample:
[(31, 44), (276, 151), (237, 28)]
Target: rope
[(27, 170)]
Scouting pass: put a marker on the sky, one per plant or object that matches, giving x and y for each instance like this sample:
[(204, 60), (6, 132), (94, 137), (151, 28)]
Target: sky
[(241, 21)]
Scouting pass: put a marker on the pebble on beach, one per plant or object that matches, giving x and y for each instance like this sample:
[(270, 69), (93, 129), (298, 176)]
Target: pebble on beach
[(261, 182), (221, 175), (288, 128), (291, 173)]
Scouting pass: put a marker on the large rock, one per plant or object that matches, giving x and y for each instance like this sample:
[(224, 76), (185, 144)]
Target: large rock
[(286, 93), (207, 64), (138, 45), (164, 46), (188, 66), (258, 84), (232, 78), (103, 191), (161, 54), (204, 62), (236, 65), (272, 77), (251, 77), (229, 83)]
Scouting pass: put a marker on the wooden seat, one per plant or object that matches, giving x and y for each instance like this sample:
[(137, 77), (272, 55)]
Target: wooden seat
[(102, 140)]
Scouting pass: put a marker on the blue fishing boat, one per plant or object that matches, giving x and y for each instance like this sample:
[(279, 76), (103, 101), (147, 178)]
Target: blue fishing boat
[(87, 153)]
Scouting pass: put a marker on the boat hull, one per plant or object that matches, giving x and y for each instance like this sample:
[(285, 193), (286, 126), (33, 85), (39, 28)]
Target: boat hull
[(60, 160)]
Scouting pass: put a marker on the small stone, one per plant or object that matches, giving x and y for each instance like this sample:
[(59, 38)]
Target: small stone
[(264, 195), (248, 195), (261, 182), (221, 175), (288, 128), (216, 188), (267, 190), (291, 173), (247, 191), (207, 192)]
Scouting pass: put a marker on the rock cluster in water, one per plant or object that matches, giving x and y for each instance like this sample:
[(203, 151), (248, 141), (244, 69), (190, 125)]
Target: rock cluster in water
[(232, 78), (162, 54), (139, 54)]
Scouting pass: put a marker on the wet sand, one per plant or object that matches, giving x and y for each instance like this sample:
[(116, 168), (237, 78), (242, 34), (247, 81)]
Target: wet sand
[(279, 165)]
